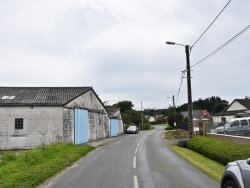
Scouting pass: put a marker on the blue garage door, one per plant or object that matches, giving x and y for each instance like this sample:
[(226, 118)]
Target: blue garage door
[(114, 127), (81, 126)]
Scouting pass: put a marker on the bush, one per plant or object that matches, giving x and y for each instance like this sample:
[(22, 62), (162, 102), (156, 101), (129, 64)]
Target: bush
[(172, 127), (218, 150)]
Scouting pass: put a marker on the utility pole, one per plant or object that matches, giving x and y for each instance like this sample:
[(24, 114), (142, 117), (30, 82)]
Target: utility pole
[(174, 110), (141, 117), (190, 104)]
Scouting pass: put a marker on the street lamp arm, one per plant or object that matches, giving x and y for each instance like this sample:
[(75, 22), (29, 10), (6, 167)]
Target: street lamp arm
[(173, 43)]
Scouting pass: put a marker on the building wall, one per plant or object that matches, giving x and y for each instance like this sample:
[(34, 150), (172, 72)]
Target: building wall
[(230, 138), (41, 125), (97, 114), (236, 106), (218, 119), (68, 125), (120, 123)]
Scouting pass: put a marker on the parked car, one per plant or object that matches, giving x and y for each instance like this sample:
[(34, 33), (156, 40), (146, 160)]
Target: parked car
[(236, 175), (132, 129), (238, 126), (219, 130)]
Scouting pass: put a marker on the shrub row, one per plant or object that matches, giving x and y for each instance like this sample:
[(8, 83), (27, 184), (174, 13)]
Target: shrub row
[(218, 150)]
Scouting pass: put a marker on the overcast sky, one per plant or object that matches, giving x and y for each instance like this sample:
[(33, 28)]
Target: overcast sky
[(119, 48)]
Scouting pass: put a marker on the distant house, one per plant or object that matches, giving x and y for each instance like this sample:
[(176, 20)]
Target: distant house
[(116, 124), (150, 119), (238, 108), (198, 114), (31, 116)]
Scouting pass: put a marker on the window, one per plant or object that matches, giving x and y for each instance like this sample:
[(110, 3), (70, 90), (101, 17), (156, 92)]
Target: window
[(235, 123), (19, 123), (223, 119), (244, 122)]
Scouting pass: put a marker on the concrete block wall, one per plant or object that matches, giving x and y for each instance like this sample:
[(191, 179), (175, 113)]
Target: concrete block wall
[(41, 125), (230, 138), (98, 126), (88, 101), (97, 114), (68, 125)]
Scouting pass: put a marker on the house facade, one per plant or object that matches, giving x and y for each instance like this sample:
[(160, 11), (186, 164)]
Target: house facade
[(238, 108), (198, 114), (31, 116)]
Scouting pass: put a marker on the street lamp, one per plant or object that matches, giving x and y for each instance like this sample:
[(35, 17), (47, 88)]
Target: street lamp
[(174, 109), (189, 91)]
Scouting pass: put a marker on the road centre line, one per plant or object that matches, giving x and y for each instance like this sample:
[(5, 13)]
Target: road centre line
[(134, 162), (136, 150), (136, 185)]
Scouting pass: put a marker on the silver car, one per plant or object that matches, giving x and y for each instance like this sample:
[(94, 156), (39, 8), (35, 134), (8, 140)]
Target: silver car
[(133, 129), (236, 175)]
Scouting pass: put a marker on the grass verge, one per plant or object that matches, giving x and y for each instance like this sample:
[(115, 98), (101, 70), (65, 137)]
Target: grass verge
[(31, 168), (208, 166)]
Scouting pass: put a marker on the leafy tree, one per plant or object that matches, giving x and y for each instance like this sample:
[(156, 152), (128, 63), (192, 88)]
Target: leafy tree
[(177, 118), (130, 116), (219, 107), (212, 104), (124, 106)]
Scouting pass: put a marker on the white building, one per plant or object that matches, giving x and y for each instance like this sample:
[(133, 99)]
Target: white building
[(238, 108), (31, 116)]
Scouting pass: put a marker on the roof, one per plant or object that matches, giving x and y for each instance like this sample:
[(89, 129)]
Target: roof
[(195, 112), (40, 95), (112, 111), (244, 102), (205, 112)]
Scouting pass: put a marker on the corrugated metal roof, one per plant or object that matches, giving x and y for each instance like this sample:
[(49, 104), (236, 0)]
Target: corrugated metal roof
[(39, 95), (112, 110)]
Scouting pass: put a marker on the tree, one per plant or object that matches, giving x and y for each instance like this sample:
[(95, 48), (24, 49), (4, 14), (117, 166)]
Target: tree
[(219, 107), (212, 104), (130, 116), (124, 106), (177, 118)]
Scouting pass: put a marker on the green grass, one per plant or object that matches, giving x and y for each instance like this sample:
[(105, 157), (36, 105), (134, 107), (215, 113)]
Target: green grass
[(152, 127), (208, 166), (32, 167), (175, 134)]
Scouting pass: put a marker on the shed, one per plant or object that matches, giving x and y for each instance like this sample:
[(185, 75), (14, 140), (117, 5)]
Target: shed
[(115, 121), (32, 116)]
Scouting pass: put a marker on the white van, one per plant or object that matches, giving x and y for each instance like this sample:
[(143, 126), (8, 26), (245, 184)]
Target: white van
[(238, 126)]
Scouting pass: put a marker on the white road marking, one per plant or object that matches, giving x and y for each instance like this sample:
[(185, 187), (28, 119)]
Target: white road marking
[(134, 163), (136, 185), (136, 151)]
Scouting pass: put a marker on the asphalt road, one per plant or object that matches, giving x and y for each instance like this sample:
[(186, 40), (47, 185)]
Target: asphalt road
[(132, 161)]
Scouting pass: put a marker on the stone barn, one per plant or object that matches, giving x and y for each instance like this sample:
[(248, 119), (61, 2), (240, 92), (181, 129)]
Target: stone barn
[(115, 121), (33, 116)]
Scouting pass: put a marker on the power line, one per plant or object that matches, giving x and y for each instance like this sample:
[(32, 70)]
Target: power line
[(178, 93), (224, 45), (225, 74), (210, 24)]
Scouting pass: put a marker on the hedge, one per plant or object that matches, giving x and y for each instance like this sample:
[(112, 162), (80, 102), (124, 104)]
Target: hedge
[(218, 150)]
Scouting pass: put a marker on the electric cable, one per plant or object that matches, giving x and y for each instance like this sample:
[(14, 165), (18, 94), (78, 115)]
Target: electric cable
[(178, 93), (224, 45), (225, 74), (210, 25)]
